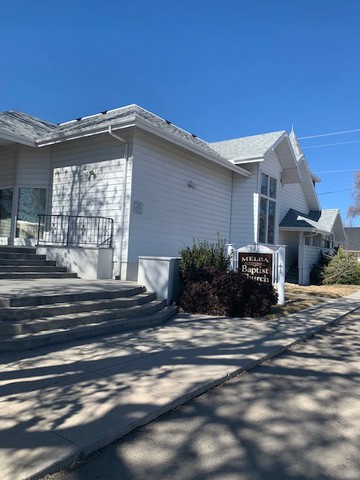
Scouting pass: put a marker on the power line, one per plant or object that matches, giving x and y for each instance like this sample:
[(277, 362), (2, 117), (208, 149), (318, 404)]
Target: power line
[(336, 171), (337, 191), (330, 134), (331, 144), (335, 178)]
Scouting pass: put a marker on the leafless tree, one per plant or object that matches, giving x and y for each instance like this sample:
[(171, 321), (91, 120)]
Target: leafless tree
[(354, 209)]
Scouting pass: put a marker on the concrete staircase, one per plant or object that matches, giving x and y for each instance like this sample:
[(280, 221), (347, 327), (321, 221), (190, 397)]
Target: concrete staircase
[(30, 321), (23, 262)]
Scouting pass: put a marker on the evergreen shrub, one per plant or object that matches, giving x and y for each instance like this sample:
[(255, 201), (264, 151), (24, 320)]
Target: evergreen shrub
[(343, 268)]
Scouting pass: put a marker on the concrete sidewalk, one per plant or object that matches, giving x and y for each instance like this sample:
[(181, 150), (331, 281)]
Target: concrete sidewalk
[(60, 403)]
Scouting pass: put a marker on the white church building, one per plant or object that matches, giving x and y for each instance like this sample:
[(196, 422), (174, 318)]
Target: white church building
[(98, 192)]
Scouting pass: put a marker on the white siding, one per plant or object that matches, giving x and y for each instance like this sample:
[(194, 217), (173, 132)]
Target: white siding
[(308, 258), (184, 197), (33, 167), (8, 156), (88, 179), (271, 165), (292, 196), (291, 240), (244, 209)]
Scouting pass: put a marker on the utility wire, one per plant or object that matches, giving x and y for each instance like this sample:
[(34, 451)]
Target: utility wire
[(337, 191), (331, 144), (336, 171), (330, 134), (335, 178)]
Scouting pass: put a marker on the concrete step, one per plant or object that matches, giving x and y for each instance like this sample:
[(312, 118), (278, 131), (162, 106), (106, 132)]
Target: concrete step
[(23, 263), (21, 256), (69, 297), (31, 268), (23, 275), (33, 340), (8, 249), (16, 314), (71, 320), (31, 261)]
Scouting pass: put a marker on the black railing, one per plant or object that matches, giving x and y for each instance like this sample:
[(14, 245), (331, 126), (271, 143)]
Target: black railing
[(72, 230)]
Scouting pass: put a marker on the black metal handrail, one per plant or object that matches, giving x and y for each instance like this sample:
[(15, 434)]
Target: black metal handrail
[(75, 230)]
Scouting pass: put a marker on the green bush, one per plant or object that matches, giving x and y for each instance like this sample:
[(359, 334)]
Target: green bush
[(343, 268), (203, 254), (210, 288)]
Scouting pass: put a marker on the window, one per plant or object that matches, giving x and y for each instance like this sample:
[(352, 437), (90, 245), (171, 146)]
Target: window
[(6, 199), (32, 202), (267, 214)]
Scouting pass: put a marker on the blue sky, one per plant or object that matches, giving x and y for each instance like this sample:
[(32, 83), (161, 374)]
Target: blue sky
[(218, 68)]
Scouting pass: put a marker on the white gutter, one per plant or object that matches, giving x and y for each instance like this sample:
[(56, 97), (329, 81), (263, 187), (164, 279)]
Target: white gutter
[(238, 161), (87, 132), (123, 199)]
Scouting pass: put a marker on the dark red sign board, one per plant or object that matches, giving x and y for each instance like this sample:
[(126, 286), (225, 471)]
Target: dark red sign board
[(257, 266)]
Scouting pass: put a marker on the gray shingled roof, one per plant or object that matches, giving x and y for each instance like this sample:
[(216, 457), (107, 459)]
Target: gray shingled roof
[(352, 235), (322, 220), (245, 148), (43, 133), (130, 113), (23, 125)]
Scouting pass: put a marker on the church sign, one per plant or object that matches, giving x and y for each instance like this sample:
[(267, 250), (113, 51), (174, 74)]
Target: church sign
[(262, 264), (257, 266)]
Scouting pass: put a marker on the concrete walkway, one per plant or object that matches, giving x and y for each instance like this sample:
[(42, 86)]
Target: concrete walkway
[(60, 403)]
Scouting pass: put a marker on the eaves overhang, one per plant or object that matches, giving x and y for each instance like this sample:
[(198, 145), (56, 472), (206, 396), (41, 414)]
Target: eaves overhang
[(299, 229), (9, 138), (287, 159), (86, 132), (283, 149), (141, 123)]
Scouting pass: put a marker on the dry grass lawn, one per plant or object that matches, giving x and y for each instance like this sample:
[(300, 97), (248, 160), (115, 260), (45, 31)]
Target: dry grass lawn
[(300, 297)]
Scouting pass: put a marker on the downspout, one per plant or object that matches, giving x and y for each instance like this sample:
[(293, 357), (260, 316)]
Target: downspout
[(231, 206), (123, 199)]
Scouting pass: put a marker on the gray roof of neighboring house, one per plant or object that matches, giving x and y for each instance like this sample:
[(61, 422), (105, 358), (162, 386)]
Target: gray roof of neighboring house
[(322, 220), (246, 148), (23, 125), (352, 235)]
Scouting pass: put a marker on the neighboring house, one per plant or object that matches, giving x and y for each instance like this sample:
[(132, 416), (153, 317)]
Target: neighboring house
[(162, 186), (352, 240)]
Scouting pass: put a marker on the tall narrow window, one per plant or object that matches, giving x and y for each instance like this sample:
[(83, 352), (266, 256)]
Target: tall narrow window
[(32, 202), (6, 198), (267, 214)]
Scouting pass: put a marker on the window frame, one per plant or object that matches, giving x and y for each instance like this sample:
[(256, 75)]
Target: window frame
[(268, 196)]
